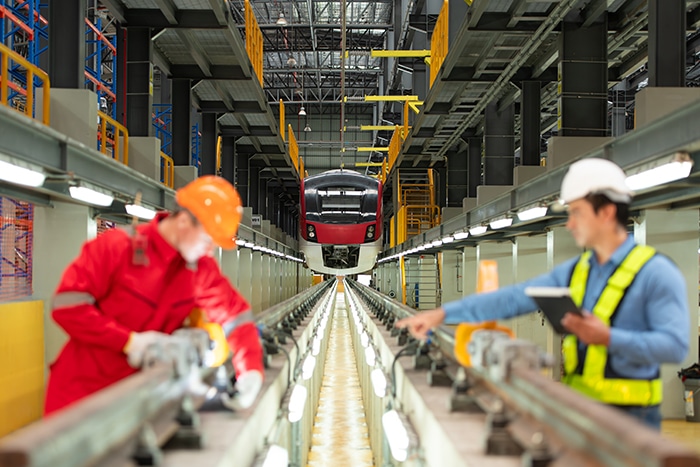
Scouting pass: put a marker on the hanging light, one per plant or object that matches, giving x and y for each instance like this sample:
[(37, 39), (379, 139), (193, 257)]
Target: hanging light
[(291, 61), (302, 112), (307, 128), (281, 21)]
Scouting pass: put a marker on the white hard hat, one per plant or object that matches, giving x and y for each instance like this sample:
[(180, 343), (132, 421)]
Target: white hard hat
[(595, 176)]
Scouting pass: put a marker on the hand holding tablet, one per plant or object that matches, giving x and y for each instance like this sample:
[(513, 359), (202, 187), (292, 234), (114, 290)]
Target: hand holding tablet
[(554, 302)]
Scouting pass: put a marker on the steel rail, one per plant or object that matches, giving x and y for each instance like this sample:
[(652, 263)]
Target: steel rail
[(133, 417), (579, 427)]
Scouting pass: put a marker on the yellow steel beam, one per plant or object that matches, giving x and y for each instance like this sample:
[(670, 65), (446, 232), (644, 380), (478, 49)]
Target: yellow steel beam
[(369, 149), (368, 164), (401, 53), (377, 127), (414, 106), (390, 98)]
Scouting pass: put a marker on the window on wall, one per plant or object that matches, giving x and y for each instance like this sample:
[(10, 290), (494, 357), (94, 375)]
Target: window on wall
[(16, 241)]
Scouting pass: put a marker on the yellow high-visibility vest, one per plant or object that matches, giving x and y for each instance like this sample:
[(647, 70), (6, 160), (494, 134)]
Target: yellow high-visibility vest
[(590, 379)]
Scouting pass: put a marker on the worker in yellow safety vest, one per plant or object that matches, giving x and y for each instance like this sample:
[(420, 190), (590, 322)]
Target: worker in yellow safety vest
[(635, 308)]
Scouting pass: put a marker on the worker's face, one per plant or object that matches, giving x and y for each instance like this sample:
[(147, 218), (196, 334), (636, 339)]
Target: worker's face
[(194, 242), (585, 225)]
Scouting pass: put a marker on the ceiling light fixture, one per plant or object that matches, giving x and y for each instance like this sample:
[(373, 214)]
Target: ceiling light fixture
[(478, 230), (281, 21), (140, 211), (302, 112), (532, 213), (501, 223), (90, 196), (664, 170), (21, 173)]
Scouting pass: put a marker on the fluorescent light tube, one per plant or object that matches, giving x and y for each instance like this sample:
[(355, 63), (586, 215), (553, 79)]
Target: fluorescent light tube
[(20, 175), (501, 223), (140, 211), (477, 230), (532, 213), (90, 196), (659, 175)]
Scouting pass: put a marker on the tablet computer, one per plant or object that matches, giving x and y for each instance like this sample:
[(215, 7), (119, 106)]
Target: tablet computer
[(554, 302)]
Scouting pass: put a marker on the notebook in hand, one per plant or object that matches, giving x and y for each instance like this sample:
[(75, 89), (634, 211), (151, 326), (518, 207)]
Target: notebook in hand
[(554, 302)]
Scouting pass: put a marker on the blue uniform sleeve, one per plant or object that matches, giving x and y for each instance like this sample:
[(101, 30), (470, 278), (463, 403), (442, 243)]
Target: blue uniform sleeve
[(507, 302), (664, 337)]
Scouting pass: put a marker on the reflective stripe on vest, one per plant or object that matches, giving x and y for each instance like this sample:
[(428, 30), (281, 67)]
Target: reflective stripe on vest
[(243, 318), (591, 381), (69, 299)]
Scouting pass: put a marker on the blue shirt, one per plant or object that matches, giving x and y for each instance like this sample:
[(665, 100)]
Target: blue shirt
[(651, 325)]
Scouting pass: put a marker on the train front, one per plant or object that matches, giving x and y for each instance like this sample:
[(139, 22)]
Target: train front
[(341, 223)]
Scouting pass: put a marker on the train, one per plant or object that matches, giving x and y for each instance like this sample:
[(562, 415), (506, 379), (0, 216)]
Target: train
[(341, 222)]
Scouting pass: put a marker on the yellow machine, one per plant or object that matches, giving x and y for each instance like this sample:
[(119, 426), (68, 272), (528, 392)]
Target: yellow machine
[(219, 350), (465, 350)]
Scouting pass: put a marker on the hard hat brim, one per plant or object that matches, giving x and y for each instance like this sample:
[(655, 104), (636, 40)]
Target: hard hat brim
[(225, 243)]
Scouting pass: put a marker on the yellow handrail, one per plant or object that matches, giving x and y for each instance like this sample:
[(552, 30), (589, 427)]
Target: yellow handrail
[(254, 41), (439, 43), (168, 170), (32, 71), (118, 131)]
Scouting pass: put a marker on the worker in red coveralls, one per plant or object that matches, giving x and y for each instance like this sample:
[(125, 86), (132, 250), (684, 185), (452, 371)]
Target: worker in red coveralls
[(126, 292)]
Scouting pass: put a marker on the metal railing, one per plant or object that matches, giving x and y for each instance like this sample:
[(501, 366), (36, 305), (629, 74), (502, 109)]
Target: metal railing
[(27, 91), (113, 138)]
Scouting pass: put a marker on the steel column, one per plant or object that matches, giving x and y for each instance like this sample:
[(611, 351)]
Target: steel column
[(241, 177), (139, 82), (499, 144), (209, 134), (667, 43), (474, 165), (457, 177), (530, 123), (228, 155), (121, 75), (583, 71), (254, 188), (181, 98), (67, 44)]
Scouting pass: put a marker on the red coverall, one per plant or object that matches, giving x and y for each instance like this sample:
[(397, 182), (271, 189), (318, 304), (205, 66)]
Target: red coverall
[(104, 295)]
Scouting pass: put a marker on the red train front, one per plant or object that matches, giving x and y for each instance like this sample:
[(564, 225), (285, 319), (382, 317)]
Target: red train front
[(341, 222)]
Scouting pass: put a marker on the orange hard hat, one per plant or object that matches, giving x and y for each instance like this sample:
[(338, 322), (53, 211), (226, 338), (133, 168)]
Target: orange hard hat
[(216, 205)]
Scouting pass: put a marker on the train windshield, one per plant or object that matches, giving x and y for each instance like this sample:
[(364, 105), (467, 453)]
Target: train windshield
[(341, 199)]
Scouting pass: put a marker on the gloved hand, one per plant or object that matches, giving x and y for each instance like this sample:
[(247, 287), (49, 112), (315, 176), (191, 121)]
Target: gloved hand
[(139, 342), (247, 387)]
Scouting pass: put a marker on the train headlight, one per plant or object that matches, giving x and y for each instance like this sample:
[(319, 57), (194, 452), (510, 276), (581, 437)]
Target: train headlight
[(370, 233), (310, 232)]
